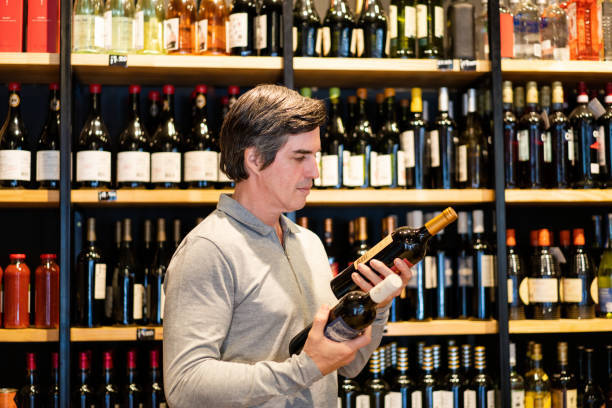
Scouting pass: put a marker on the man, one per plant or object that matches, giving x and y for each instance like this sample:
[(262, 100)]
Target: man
[(247, 279)]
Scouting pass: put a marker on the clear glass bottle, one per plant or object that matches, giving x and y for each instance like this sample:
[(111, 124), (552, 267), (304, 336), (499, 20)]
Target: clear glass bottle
[(527, 31), (554, 33), (119, 26), (211, 28), (149, 21), (88, 26), (179, 26), (482, 32), (537, 383), (517, 383)]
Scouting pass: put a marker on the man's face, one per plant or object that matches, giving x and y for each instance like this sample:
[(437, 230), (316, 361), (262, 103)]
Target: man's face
[(288, 179)]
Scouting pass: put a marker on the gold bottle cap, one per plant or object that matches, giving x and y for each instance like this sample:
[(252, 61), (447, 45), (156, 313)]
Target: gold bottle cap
[(440, 221), (507, 94), (557, 92), (417, 100), (389, 92), (380, 98), (362, 93), (532, 92), (362, 229)]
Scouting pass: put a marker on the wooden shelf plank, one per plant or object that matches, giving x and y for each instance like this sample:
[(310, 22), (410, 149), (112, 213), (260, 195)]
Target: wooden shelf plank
[(376, 72), (28, 335), (29, 198), (561, 197), (549, 70), (109, 333), (149, 197), (441, 328), (561, 326), (179, 69), (29, 67)]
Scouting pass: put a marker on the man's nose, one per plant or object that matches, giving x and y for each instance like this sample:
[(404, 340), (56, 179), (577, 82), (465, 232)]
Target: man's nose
[(312, 169)]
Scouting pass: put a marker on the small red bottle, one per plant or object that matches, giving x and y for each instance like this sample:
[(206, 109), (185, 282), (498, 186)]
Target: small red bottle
[(46, 289), (17, 293)]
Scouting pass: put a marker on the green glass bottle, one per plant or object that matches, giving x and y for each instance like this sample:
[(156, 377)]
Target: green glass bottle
[(373, 25), (88, 26), (337, 30), (119, 26), (149, 20), (430, 28), (306, 24), (402, 28)]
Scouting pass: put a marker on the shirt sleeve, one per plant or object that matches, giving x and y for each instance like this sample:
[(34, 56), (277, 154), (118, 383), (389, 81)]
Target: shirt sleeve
[(197, 315)]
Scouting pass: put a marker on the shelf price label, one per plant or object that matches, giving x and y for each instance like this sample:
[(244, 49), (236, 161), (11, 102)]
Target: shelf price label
[(107, 195), (117, 60), (446, 65), (145, 334), (467, 65)]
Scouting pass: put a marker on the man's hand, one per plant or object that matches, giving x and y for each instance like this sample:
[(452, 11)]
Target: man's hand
[(327, 354), (367, 278)]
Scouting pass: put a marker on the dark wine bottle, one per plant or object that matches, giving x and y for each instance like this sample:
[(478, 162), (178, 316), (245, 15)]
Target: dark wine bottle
[(48, 145), (544, 281), (375, 386), (419, 297), (154, 110), (459, 31), (407, 243), (402, 386), (15, 155), (348, 392), (332, 144), (90, 281), (510, 137), (354, 312), (146, 259), (517, 283), (83, 396), (29, 394), (454, 382), (428, 384), (108, 396), (337, 30), (472, 152), (373, 25), (330, 246), (430, 28), (132, 393), (590, 394), (166, 147), (481, 388), (306, 24), (124, 279), (531, 148), (484, 269), (356, 159), (414, 144), (155, 397), (386, 159), (402, 28), (445, 290), (53, 398), (578, 284), (582, 123), (564, 390), (156, 295), (562, 142), (268, 28), (442, 141), (93, 148), (604, 142), (241, 29)]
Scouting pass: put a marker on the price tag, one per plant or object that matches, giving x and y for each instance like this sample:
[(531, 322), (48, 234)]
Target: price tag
[(596, 108), (107, 195), (467, 65), (117, 60), (145, 334), (445, 65)]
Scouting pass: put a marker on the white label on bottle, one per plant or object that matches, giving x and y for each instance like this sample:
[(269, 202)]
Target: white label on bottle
[(421, 20), (171, 34), (510, 290), (393, 21), (543, 290), (261, 36), (166, 167), (139, 30), (362, 401), (466, 271), (594, 168), (356, 170), (407, 146), (47, 165), (108, 29), (99, 281), (469, 399), (227, 35), (410, 23), (523, 142), (15, 165), (488, 271), (547, 140), (326, 34), (294, 33), (346, 167), (434, 145), (201, 165), (401, 168), (162, 301), (238, 30), (329, 170), (393, 400), (491, 399), (439, 23), (202, 35), (138, 300), (431, 272), (448, 273), (462, 163), (93, 165), (99, 31), (384, 169), (569, 137), (134, 167), (517, 399), (442, 399), (537, 50), (357, 42), (373, 169), (416, 399), (601, 147), (571, 290)]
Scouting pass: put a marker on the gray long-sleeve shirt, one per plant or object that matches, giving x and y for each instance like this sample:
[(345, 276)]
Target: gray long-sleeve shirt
[(234, 299)]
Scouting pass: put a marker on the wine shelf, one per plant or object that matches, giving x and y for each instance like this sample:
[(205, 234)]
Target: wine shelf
[(560, 326), (561, 197), (29, 67), (549, 70), (178, 69), (376, 72), (316, 197), (110, 333), (29, 198), (28, 335), (454, 327)]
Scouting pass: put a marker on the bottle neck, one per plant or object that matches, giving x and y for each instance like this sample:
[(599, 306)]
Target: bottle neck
[(201, 111), (390, 114), (362, 110), (168, 106), (32, 377), (54, 377), (108, 376), (95, 104), (14, 105), (54, 104), (588, 368), (84, 376), (134, 102), (155, 375), (132, 376)]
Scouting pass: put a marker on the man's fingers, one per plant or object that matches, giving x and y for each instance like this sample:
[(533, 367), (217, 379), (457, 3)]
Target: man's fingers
[(369, 274), (320, 319), (360, 281)]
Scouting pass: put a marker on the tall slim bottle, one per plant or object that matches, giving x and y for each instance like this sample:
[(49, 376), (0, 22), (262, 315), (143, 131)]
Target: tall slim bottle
[(211, 28), (604, 142), (423, 396), (517, 383), (337, 30), (108, 395), (88, 26), (180, 27), (531, 147), (30, 395), (484, 269), (53, 396), (465, 267), (604, 277), (455, 382), (578, 284), (527, 31), (516, 278), (402, 385), (83, 396), (511, 141), (268, 27), (430, 28), (402, 28), (413, 141), (418, 299), (582, 124), (387, 159), (563, 384), (119, 26), (166, 147), (306, 27), (154, 392), (544, 281), (124, 279), (373, 23), (482, 387), (241, 31), (47, 147), (15, 154), (149, 31), (554, 33), (537, 383), (590, 394), (442, 145), (356, 157), (156, 296), (459, 29), (332, 144), (472, 152), (563, 153)]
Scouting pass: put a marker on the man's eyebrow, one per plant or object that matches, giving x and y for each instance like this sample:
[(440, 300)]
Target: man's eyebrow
[(302, 151)]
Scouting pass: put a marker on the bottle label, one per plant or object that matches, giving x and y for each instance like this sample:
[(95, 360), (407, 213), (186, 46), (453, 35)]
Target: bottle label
[(448, 273), (491, 399), (605, 300), (338, 330), (139, 30), (569, 137), (601, 147), (138, 300), (238, 30), (443, 399), (329, 170), (362, 401), (93, 165), (374, 250), (434, 145), (571, 290), (356, 170), (166, 167), (317, 181), (202, 35), (523, 142), (393, 400), (326, 39), (594, 291), (411, 23), (108, 29), (47, 165), (469, 399), (384, 169), (261, 35), (171, 33), (407, 145), (510, 290), (133, 167), (543, 290), (401, 168), (417, 273), (488, 271), (393, 21), (346, 163), (15, 165), (373, 169), (201, 166), (99, 25), (357, 42), (162, 301), (523, 291), (439, 23), (547, 141), (99, 281), (465, 269), (431, 272), (421, 23), (565, 398), (462, 163), (417, 399), (517, 399), (535, 399)]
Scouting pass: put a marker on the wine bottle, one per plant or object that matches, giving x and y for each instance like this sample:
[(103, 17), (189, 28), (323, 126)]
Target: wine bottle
[(590, 394), (373, 25), (511, 141), (154, 110), (53, 396), (268, 27), (405, 242), (389, 224), (330, 246), (386, 159), (180, 26), (306, 25), (177, 235), (124, 280), (213, 18), (582, 123), (348, 392), (517, 383), (119, 26), (459, 32), (465, 267), (442, 141), (537, 383), (131, 395), (156, 295), (428, 383), (48, 145), (484, 269), (332, 144), (93, 148), (445, 290), (166, 147), (88, 26), (544, 281), (563, 385), (108, 396), (578, 284), (149, 27), (604, 277), (402, 29), (146, 256), (15, 155), (337, 31), (241, 29), (530, 146), (604, 150), (414, 144), (561, 140), (419, 300), (402, 385), (430, 28), (29, 394), (472, 153), (83, 396), (609, 391), (454, 383), (356, 155), (155, 397), (481, 391), (597, 243), (114, 260), (517, 283), (134, 159)]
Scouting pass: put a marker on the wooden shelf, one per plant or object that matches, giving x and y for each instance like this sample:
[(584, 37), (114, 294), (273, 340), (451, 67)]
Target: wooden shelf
[(441, 327), (376, 72), (28, 335), (178, 69), (549, 70), (29, 67), (561, 326), (561, 197), (109, 333), (29, 198)]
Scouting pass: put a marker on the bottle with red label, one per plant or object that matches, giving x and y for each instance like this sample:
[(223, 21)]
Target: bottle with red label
[(17, 293), (15, 155), (582, 122), (46, 298)]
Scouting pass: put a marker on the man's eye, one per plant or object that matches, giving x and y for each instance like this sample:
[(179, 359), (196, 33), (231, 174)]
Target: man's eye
[(300, 158)]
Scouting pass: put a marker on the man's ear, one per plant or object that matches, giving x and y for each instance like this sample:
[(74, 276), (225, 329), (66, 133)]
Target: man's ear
[(252, 160)]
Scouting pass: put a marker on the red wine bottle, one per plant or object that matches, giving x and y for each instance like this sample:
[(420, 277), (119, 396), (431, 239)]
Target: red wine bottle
[(155, 397), (166, 147), (48, 146), (268, 28), (484, 269), (155, 293), (604, 152), (54, 394), (93, 148), (123, 279), (465, 267), (15, 155), (108, 395), (153, 111), (83, 395), (562, 140), (584, 133), (29, 394), (132, 393), (510, 137), (531, 147), (134, 159)]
